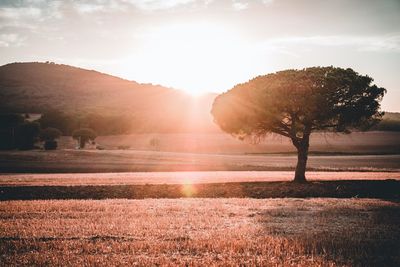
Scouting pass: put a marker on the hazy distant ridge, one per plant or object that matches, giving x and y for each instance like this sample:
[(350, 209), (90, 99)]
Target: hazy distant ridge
[(38, 87)]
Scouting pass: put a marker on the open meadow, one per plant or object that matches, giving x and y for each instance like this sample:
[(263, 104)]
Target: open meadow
[(358, 151), (371, 142), (200, 232), (132, 204), (97, 161)]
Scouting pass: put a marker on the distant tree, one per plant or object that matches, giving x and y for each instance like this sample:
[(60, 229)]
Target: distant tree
[(101, 124), (26, 135), (8, 125), (10, 120), (293, 103), (84, 136), (49, 136), (66, 123)]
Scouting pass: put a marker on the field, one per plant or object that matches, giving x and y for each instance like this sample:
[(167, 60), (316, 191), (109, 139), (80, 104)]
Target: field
[(201, 232), (90, 161), (202, 200), (370, 151), (373, 142)]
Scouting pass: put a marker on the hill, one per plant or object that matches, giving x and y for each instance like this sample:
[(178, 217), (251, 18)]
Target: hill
[(130, 107), (390, 122), (43, 87)]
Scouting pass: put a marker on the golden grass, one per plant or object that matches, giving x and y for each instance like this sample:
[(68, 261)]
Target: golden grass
[(200, 232), (97, 161)]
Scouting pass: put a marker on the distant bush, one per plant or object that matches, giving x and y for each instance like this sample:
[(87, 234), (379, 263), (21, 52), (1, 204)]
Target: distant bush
[(49, 136), (50, 145), (388, 125), (389, 122), (8, 124), (84, 136)]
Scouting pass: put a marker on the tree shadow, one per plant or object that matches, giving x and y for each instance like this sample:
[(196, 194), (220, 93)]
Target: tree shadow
[(359, 235)]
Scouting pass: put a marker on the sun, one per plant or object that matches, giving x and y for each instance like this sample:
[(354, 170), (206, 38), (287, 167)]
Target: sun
[(196, 57)]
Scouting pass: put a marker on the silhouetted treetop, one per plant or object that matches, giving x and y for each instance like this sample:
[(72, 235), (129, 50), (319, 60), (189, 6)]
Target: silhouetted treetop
[(292, 102)]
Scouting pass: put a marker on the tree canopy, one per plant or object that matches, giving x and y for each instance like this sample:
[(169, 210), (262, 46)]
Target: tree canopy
[(293, 103), (49, 134), (84, 136)]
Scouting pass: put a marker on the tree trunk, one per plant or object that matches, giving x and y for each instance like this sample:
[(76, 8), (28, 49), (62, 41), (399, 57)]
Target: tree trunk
[(302, 156), (82, 142)]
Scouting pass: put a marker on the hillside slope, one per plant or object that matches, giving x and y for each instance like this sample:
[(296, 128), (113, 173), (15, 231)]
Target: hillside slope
[(39, 87), (42, 87)]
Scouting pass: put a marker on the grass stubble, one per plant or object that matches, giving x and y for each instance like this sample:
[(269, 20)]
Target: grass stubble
[(200, 232)]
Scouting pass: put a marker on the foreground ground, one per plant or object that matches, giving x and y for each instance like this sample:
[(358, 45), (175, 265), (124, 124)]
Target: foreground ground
[(383, 185), (389, 189), (199, 177), (200, 232), (200, 219)]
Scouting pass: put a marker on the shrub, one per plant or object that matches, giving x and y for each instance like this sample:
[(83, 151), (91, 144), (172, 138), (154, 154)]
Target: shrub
[(83, 136), (50, 134), (50, 145)]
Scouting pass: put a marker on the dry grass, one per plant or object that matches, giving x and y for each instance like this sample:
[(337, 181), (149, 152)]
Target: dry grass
[(133, 161), (200, 232), (356, 142)]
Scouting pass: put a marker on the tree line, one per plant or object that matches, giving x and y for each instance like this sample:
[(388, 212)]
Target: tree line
[(67, 123), (18, 132)]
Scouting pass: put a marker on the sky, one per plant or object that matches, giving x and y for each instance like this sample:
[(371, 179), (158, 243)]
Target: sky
[(207, 45)]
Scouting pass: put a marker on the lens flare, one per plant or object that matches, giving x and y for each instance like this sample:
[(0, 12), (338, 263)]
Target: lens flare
[(188, 190)]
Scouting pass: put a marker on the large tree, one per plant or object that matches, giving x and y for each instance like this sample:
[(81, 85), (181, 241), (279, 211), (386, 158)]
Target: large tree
[(293, 103)]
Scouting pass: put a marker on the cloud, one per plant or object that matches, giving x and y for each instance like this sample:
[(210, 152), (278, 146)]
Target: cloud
[(360, 43), (240, 5), (100, 6), (151, 5), (245, 4), (85, 8), (10, 39), (96, 6), (29, 13), (267, 2), (15, 13), (42, 9)]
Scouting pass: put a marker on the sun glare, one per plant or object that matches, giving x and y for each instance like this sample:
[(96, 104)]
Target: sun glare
[(195, 57), (188, 190)]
